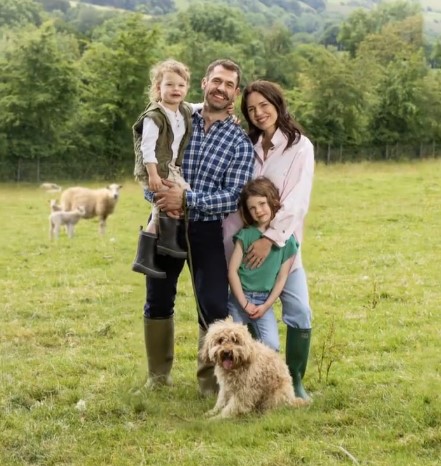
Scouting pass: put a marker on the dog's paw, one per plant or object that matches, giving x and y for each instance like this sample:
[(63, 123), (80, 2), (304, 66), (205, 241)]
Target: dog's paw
[(211, 413), (299, 402)]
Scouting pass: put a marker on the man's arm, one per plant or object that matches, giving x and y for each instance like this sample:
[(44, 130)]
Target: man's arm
[(222, 201)]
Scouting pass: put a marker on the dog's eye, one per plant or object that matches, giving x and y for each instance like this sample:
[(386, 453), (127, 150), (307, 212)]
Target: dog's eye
[(233, 339), (220, 341)]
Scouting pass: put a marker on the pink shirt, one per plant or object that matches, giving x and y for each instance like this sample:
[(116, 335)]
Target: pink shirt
[(292, 171)]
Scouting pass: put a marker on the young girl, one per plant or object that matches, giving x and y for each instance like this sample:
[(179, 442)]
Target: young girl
[(254, 290), (161, 133)]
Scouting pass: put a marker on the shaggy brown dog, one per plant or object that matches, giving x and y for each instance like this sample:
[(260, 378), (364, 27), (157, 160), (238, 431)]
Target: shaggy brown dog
[(251, 376)]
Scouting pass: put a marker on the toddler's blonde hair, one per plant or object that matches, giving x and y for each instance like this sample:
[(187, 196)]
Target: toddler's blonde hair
[(157, 75)]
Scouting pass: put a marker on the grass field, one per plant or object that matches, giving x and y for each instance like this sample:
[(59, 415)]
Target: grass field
[(72, 354)]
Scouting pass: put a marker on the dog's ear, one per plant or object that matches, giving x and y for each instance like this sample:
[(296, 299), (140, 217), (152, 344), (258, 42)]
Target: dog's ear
[(204, 351)]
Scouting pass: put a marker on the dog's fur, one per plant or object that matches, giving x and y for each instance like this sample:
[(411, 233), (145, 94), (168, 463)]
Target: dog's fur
[(67, 218), (251, 376)]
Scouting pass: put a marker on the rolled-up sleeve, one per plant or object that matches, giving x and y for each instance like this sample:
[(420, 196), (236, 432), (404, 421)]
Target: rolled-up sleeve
[(150, 133)]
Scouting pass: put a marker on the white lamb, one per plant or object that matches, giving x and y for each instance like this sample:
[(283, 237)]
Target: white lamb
[(69, 219), (97, 202)]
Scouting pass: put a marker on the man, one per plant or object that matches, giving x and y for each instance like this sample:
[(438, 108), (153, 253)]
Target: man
[(217, 162)]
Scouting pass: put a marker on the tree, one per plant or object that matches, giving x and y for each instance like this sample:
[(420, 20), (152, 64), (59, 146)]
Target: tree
[(19, 12), (280, 63), (396, 40), (213, 21), (361, 23), (38, 88), (114, 74), (398, 112), (331, 105), (435, 55)]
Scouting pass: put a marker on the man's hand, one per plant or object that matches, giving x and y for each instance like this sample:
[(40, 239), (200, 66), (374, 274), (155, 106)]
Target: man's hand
[(176, 214), (171, 199), (258, 252), (230, 111)]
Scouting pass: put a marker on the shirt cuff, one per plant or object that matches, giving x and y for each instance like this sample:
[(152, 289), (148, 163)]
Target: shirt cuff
[(148, 195), (274, 237), (190, 199)]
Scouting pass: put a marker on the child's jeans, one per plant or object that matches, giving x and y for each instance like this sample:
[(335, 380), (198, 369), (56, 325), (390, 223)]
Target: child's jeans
[(265, 328)]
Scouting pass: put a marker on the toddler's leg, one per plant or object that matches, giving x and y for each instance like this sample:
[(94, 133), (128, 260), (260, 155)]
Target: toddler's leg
[(152, 226)]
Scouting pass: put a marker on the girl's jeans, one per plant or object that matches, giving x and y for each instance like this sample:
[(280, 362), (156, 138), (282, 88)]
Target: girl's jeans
[(265, 328)]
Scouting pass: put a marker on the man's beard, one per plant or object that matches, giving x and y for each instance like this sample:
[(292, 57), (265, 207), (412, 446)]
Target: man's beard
[(217, 106)]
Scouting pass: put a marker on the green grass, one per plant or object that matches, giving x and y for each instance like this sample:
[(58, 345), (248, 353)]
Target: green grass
[(72, 354)]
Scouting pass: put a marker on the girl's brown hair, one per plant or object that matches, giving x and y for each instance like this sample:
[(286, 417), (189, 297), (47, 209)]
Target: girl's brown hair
[(262, 187), (273, 93), (157, 75)]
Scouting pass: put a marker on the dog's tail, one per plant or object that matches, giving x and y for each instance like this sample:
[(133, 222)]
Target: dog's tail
[(51, 187)]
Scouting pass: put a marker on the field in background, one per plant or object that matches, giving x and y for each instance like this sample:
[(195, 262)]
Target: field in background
[(71, 344)]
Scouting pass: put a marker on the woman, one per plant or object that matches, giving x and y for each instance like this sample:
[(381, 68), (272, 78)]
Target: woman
[(286, 157)]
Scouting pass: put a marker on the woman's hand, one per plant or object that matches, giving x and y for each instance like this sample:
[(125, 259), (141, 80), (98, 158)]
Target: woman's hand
[(257, 253)]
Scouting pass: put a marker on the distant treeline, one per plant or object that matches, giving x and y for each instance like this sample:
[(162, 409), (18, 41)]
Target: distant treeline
[(73, 83)]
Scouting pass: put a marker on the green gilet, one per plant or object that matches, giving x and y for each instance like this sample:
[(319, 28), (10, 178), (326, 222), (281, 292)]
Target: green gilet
[(163, 149)]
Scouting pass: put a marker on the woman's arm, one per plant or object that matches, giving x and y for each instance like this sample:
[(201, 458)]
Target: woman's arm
[(295, 196)]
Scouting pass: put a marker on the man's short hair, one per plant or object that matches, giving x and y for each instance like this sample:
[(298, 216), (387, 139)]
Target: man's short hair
[(227, 64)]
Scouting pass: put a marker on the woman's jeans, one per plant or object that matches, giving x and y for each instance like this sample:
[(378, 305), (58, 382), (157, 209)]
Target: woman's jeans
[(296, 311), (265, 328)]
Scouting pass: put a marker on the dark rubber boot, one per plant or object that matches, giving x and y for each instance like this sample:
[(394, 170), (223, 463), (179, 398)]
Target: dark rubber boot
[(168, 238), (145, 256), (297, 352)]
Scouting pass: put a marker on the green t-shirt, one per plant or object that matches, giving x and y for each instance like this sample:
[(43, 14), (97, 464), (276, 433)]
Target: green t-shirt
[(264, 277)]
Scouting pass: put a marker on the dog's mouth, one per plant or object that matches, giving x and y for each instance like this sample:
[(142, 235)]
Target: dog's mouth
[(227, 360)]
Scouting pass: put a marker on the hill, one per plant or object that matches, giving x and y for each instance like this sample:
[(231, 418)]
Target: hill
[(308, 16)]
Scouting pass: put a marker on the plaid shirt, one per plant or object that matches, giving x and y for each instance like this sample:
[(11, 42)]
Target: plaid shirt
[(216, 165)]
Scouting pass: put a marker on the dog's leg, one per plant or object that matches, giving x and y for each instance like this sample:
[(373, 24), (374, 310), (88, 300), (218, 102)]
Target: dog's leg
[(221, 402), (234, 407)]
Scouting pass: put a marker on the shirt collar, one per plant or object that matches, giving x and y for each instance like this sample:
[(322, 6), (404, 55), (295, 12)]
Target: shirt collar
[(198, 116), (278, 139)]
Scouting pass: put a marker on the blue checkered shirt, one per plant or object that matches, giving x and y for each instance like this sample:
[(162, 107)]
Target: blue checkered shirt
[(216, 165)]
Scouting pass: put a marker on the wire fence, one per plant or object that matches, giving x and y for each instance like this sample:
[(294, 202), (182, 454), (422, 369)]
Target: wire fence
[(43, 170), (327, 154)]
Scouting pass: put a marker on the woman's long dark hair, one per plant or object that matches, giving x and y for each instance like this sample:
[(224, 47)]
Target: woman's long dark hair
[(273, 93)]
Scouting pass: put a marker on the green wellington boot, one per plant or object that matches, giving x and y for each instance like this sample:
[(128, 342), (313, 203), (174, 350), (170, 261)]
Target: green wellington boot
[(159, 345), (208, 385), (297, 351)]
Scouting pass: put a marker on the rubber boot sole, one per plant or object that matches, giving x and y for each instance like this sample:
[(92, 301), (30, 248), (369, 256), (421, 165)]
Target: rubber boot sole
[(146, 271), (164, 251)]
